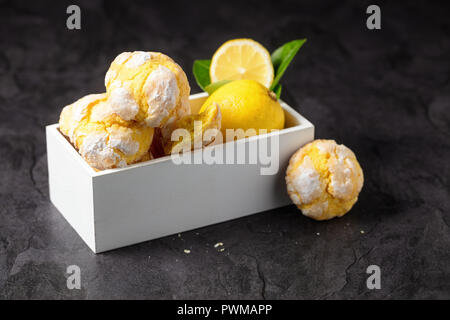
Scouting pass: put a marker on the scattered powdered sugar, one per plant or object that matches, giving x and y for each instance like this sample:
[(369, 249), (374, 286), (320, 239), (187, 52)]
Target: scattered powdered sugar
[(123, 140), (122, 103), (162, 91), (138, 58), (96, 151), (306, 181)]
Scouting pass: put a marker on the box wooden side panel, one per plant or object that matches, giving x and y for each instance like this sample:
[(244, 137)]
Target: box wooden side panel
[(70, 185), (163, 198)]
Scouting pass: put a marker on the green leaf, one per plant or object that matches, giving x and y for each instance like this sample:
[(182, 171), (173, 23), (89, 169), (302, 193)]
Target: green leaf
[(216, 85), (277, 90), (282, 57), (201, 72)]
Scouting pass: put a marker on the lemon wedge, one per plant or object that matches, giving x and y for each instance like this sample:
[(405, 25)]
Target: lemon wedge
[(241, 59)]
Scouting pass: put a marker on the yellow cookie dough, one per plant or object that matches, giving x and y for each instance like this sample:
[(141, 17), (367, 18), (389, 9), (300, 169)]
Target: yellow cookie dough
[(324, 179), (103, 138), (198, 126), (148, 87)]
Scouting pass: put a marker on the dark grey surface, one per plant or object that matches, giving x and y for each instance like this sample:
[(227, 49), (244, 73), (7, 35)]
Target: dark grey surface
[(385, 94)]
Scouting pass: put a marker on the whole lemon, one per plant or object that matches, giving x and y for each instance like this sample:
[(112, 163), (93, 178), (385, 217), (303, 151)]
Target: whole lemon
[(247, 104)]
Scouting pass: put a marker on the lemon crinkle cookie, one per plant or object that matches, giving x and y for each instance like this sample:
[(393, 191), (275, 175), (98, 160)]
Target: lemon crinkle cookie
[(104, 139), (147, 87), (202, 130), (324, 179)]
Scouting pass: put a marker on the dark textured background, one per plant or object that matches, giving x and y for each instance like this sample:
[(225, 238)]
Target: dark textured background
[(385, 94)]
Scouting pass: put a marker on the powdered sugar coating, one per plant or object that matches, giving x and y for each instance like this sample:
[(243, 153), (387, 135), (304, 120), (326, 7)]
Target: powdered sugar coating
[(123, 141), (344, 179), (306, 181), (155, 83), (161, 91), (324, 179), (100, 112), (122, 102), (74, 113), (122, 164), (138, 58), (343, 152), (183, 110), (80, 111), (325, 146), (102, 138), (121, 58), (110, 75), (316, 209), (97, 152), (185, 107)]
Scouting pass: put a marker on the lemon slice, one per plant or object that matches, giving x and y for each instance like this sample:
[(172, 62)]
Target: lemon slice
[(242, 59)]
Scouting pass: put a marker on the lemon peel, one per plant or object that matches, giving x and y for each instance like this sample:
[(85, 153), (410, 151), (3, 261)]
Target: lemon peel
[(246, 104)]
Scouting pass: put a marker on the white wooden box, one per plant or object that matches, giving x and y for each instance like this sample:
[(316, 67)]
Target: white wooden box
[(156, 198)]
